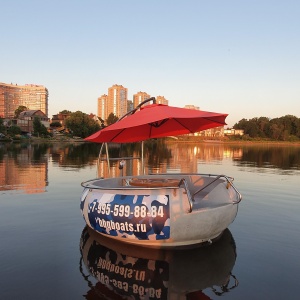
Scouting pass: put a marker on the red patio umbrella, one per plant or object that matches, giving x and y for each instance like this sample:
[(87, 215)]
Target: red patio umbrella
[(157, 120)]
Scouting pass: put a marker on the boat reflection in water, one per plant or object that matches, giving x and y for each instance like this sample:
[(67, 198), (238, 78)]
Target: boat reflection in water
[(123, 271)]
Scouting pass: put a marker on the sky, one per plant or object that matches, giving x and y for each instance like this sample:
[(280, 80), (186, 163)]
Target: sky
[(240, 57)]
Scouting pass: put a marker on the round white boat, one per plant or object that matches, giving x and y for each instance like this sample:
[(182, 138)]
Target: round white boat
[(164, 210)]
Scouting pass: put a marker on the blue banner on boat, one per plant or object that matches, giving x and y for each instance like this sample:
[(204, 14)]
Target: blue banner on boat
[(143, 217)]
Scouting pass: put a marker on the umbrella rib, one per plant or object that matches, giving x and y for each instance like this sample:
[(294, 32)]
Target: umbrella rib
[(115, 136), (183, 125), (209, 119), (150, 131), (158, 123)]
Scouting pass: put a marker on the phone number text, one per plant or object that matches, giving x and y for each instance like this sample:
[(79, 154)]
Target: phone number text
[(125, 210)]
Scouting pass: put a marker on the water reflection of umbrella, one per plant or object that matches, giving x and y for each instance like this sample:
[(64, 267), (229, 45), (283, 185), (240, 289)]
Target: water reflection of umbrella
[(157, 120)]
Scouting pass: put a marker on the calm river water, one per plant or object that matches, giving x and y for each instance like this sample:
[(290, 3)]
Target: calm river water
[(47, 253)]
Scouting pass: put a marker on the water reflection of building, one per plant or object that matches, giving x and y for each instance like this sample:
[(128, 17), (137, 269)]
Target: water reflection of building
[(131, 167), (180, 158), (22, 173), (234, 153), (76, 155)]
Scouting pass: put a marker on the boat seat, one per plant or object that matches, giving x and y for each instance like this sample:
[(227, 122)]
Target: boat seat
[(154, 182)]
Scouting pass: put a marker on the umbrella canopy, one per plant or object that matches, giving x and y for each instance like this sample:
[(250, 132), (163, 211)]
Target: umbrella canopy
[(157, 120)]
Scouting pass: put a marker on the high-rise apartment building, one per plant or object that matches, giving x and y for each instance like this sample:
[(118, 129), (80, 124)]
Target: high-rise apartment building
[(102, 107), (139, 97), (162, 100), (32, 96), (117, 100), (190, 106)]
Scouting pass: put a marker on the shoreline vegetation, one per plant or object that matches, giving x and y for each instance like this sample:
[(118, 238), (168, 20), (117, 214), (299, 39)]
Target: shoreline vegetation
[(279, 131), (180, 139)]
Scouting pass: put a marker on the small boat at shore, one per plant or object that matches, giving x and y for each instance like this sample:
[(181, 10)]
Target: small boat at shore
[(161, 211)]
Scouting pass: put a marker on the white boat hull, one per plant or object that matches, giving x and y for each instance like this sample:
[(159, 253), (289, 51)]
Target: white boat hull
[(160, 211)]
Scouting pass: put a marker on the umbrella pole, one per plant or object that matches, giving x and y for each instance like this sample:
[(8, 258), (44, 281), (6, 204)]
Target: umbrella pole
[(143, 172), (99, 158), (107, 157), (100, 152)]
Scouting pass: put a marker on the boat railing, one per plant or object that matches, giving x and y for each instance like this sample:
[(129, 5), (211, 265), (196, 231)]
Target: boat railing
[(130, 183), (217, 176), (229, 183), (87, 184), (188, 193)]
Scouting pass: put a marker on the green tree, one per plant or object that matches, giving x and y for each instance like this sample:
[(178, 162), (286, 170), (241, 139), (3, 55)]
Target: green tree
[(283, 128), (14, 130), (297, 128), (80, 124), (65, 112), (263, 126), (102, 122), (55, 124), (19, 110), (275, 130), (2, 126), (250, 127), (290, 124), (112, 118), (39, 129)]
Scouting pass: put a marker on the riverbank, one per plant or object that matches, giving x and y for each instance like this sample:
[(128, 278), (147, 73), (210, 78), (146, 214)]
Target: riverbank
[(61, 139), (181, 139), (231, 141)]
